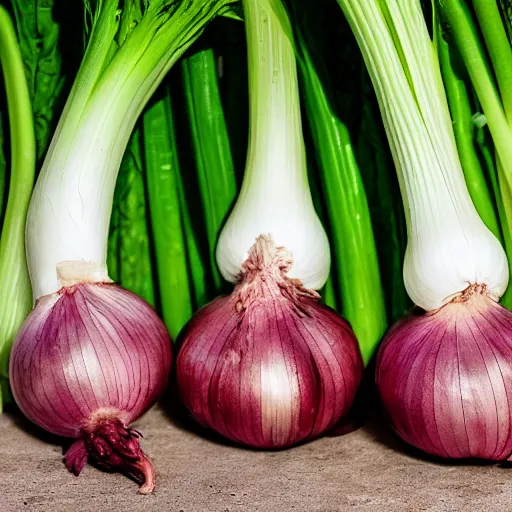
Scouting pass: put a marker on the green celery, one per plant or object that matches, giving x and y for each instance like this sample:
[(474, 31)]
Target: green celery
[(486, 153), (214, 164), (498, 48), (15, 286), (165, 208), (354, 253)]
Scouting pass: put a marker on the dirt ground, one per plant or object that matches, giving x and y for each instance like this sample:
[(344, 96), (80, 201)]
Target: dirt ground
[(366, 470)]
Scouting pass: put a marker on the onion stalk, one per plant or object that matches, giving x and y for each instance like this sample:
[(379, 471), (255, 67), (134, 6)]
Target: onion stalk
[(464, 130), (268, 366), (436, 370), (92, 357), (275, 197)]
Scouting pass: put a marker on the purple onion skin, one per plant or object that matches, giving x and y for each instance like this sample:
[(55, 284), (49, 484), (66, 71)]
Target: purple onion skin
[(268, 366), (87, 362), (446, 379)]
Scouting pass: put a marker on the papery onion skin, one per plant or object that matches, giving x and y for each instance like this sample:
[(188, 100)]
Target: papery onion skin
[(445, 378), (268, 366), (88, 361)]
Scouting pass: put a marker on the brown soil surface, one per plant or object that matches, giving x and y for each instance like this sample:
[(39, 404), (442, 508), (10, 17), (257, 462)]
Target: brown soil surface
[(366, 470)]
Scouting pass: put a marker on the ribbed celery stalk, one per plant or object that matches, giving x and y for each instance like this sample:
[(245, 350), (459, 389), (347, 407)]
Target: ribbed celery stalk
[(196, 262), (15, 290), (464, 129), (165, 207), (135, 267), (354, 254), (214, 164), (485, 151), (498, 48), (500, 53)]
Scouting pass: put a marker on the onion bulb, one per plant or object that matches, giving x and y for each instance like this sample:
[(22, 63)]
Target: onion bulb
[(88, 361), (445, 378), (268, 366)]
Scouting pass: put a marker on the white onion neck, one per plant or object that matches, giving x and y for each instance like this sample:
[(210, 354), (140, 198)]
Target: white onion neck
[(275, 198)]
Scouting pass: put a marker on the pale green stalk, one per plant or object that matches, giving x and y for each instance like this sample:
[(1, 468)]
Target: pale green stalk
[(15, 291)]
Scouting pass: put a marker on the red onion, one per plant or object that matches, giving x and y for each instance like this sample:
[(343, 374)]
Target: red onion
[(268, 366), (445, 378), (88, 361)]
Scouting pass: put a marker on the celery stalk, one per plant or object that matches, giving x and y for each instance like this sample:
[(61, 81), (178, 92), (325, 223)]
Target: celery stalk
[(167, 215), (498, 47), (329, 293), (14, 279), (214, 164), (3, 172)]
